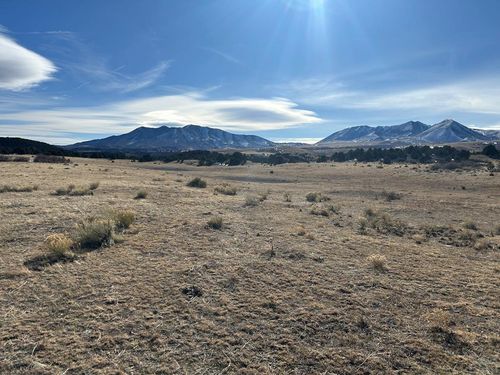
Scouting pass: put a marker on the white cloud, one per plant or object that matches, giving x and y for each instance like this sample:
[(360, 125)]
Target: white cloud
[(236, 114), (481, 96), (21, 68)]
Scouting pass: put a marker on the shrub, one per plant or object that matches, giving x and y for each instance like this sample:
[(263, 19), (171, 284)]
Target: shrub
[(470, 225), (391, 195), (301, 231), (215, 222), (17, 159), (226, 190), (418, 238), (497, 230), (482, 245), (197, 183), (58, 244), (74, 191), (123, 219), (383, 223), (80, 191), (95, 233), (316, 197), (362, 226), (377, 262), (50, 159), (319, 211), (251, 201), (141, 194), (16, 189), (264, 196), (94, 185)]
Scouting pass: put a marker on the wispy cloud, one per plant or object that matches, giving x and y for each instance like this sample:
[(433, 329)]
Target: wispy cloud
[(480, 96), (235, 114), (223, 55), (105, 79), (21, 68), (94, 71)]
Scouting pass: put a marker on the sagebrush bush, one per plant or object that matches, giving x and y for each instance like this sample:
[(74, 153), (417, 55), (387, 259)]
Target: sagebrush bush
[(94, 185), (391, 195), (301, 231), (319, 211), (18, 189), (197, 183), (215, 222), (383, 223), (72, 190), (263, 196), (377, 262), (470, 225), (95, 233), (226, 190), (251, 201), (141, 194), (123, 219), (80, 191), (362, 225), (58, 244), (482, 245), (316, 197)]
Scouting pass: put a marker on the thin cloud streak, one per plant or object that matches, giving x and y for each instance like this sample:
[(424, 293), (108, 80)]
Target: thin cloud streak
[(224, 55)]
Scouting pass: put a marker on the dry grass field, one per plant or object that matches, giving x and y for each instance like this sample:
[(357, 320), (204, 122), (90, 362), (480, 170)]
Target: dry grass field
[(391, 269)]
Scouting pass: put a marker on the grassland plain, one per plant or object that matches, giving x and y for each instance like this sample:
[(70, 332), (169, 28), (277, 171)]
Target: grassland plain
[(275, 290)]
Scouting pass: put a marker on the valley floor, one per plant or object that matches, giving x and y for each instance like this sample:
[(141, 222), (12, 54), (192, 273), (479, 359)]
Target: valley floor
[(286, 286)]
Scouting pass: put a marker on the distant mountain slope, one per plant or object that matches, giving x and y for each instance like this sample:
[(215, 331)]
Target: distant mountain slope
[(450, 131), (447, 131), (379, 133), (492, 134), (27, 146), (164, 138)]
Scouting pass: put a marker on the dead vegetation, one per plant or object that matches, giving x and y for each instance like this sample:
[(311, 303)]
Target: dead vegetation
[(18, 189), (406, 286), (226, 189), (73, 190)]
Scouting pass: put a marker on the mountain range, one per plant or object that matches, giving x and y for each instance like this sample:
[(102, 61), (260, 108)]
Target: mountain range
[(412, 132), (194, 137), (164, 138)]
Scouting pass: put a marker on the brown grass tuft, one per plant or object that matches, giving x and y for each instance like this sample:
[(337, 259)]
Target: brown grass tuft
[(95, 233), (215, 222), (377, 262), (58, 244), (225, 189)]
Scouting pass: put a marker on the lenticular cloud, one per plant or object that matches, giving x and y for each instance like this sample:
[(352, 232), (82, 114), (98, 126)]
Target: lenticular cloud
[(21, 68)]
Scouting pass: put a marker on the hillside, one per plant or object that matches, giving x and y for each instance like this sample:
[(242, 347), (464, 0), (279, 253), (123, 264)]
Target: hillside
[(164, 138), (27, 146), (450, 131), (379, 133)]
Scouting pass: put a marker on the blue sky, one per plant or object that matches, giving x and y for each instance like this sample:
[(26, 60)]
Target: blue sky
[(283, 69)]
